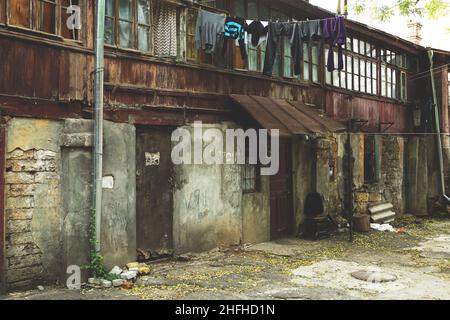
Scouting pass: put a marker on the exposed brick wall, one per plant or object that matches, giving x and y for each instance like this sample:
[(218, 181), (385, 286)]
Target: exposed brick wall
[(26, 170)]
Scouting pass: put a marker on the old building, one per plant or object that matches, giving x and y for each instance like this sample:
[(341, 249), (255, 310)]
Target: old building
[(156, 80)]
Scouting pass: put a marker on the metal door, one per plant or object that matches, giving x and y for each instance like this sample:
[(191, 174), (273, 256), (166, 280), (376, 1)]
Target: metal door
[(154, 207)]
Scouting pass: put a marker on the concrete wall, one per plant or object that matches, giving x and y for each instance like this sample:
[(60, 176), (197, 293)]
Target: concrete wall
[(209, 207), (48, 192), (119, 203), (256, 214)]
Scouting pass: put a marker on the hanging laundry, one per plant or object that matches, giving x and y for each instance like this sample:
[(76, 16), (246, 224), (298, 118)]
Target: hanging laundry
[(165, 30), (257, 31), (275, 31), (334, 34), (209, 26), (234, 28), (303, 31)]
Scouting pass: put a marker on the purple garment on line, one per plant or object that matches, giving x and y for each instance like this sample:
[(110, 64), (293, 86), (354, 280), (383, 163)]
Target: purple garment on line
[(334, 34)]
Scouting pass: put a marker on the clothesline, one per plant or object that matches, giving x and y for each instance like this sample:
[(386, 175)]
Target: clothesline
[(213, 31), (216, 10)]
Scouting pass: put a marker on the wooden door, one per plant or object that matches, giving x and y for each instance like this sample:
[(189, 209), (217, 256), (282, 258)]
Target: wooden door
[(281, 206), (154, 207)]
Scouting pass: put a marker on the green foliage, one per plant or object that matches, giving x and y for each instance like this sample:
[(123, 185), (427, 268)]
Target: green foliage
[(383, 13), (96, 265), (437, 8), (358, 7), (432, 9)]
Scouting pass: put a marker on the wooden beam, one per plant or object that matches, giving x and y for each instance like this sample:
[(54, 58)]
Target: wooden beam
[(25, 107)]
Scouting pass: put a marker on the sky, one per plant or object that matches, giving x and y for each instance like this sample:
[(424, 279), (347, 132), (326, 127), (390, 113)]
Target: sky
[(434, 34)]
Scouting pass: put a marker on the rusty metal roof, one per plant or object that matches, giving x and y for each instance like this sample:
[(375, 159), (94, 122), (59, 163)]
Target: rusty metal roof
[(290, 117)]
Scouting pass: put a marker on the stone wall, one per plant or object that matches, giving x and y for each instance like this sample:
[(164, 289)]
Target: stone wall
[(317, 166), (48, 191), (393, 172), (390, 185), (32, 201)]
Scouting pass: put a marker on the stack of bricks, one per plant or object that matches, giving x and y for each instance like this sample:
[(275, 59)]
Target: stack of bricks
[(25, 171)]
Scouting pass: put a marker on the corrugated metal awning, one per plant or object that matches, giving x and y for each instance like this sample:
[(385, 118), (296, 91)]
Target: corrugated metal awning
[(290, 117)]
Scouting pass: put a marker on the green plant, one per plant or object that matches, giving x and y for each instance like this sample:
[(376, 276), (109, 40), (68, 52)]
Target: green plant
[(96, 266), (432, 9)]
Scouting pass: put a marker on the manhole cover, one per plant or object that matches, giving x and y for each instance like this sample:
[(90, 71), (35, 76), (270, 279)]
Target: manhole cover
[(373, 276)]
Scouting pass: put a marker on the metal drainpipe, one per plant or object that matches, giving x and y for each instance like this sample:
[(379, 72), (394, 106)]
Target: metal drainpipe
[(98, 119), (438, 127)]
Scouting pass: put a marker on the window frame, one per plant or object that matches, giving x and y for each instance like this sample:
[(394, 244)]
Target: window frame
[(34, 20), (384, 68), (247, 168), (360, 57), (136, 24)]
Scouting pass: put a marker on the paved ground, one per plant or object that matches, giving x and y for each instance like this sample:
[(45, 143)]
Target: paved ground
[(299, 269)]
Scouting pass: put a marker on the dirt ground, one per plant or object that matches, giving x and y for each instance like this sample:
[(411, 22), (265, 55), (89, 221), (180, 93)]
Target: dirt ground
[(298, 269)]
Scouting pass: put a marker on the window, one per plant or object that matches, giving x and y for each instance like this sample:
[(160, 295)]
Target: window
[(253, 52), (403, 87), (250, 173), (393, 74), (371, 158), (125, 23), (288, 70), (306, 62), (65, 32), (315, 65), (109, 22), (360, 67), (42, 15), (142, 25), (388, 82), (250, 178)]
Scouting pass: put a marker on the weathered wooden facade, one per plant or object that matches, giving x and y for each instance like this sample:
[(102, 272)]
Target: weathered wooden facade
[(46, 103)]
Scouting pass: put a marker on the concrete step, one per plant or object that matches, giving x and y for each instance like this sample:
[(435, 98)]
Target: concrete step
[(380, 208), (383, 217)]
